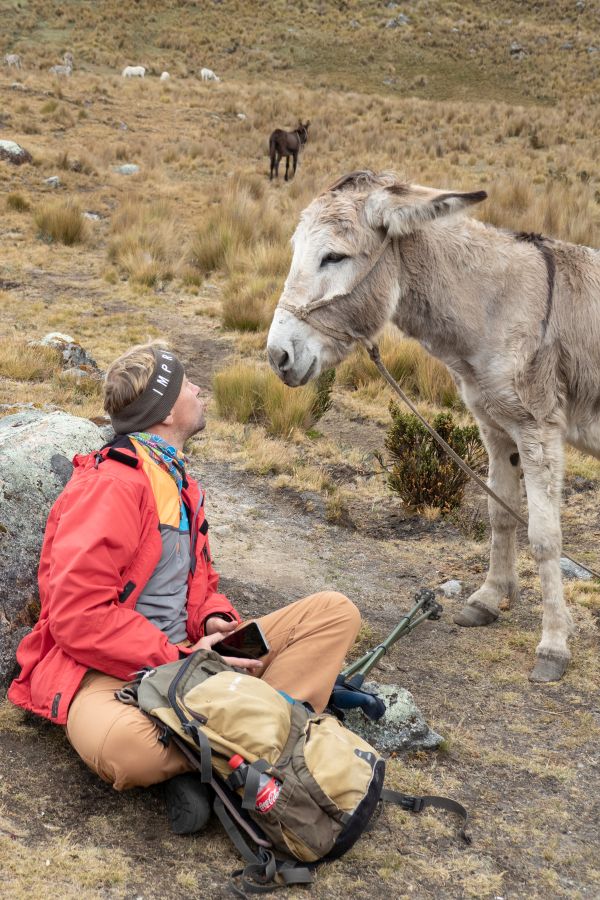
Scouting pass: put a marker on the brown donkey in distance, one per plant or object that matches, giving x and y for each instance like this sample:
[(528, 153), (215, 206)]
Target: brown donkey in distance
[(287, 143)]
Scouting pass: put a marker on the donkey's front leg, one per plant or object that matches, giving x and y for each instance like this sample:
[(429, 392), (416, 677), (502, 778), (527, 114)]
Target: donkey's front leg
[(504, 472), (542, 457)]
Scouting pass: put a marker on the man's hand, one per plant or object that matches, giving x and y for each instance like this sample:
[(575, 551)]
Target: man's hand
[(206, 643), (216, 623)]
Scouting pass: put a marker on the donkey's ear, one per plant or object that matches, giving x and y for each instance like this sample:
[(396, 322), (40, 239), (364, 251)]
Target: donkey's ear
[(404, 208)]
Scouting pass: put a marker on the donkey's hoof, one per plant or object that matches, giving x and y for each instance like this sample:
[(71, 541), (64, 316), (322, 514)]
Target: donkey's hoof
[(474, 615), (549, 667)]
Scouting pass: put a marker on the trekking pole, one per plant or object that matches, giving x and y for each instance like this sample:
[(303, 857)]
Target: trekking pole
[(426, 607)]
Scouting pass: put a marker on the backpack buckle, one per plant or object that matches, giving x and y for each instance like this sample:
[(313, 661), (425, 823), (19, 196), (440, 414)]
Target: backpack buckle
[(411, 804)]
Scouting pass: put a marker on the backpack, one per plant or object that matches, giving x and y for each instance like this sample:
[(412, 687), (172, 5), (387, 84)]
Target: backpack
[(325, 782)]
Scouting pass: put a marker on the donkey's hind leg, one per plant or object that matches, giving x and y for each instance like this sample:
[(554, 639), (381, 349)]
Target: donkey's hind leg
[(542, 456), (287, 168), (483, 607)]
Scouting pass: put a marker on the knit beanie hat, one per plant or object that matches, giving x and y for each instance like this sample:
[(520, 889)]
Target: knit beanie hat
[(157, 399)]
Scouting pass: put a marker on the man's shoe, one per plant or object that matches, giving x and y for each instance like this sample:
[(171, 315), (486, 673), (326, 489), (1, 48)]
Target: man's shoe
[(188, 803)]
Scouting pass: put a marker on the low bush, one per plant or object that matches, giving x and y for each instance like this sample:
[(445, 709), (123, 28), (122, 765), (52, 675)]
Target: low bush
[(421, 471)]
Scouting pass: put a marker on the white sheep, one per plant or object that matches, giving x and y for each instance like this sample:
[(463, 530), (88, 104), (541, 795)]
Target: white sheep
[(62, 71), (208, 75), (133, 72), (165, 76), (13, 60)]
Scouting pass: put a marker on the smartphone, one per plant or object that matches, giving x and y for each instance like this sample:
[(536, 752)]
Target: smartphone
[(248, 642)]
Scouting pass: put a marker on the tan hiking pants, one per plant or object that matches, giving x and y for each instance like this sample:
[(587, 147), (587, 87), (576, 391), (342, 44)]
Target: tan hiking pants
[(309, 640)]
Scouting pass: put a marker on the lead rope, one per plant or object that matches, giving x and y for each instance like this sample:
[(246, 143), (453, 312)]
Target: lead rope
[(373, 351)]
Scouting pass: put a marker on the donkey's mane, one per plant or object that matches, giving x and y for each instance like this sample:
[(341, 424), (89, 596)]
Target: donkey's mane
[(362, 179)]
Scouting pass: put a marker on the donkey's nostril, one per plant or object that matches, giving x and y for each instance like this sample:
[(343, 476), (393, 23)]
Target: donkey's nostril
[(279, 359)]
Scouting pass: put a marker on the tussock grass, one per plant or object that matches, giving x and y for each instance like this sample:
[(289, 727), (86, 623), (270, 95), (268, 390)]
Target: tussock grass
[(246, 392), (419, 374), (61, 221), (26, 362), (249, 302), (242, 216), (17, 202), (145, 242), (554, 208)]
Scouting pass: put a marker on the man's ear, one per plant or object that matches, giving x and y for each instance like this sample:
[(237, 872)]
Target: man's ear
[(403, 208), (168, 420)]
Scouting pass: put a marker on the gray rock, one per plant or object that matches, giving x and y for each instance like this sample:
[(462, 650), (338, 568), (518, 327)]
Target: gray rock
[(127, 169), (14, 153), (402, 19), (73, 355), (36, 448), (516, 50), (403, 726), (54, 181), (572, 570), (452, 588)]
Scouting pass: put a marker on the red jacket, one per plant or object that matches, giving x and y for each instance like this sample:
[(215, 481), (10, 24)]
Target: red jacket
[(101, 545)]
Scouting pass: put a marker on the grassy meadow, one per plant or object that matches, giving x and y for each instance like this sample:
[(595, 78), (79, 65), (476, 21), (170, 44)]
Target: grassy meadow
[(194, 248)]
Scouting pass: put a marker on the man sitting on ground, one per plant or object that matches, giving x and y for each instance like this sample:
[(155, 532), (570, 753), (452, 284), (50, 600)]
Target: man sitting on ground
[(126, 581)]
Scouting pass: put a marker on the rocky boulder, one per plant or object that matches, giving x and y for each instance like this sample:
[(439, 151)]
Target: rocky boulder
[(36, 449), (14, 153)]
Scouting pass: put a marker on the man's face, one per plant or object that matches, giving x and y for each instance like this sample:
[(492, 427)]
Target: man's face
[(189, 410)]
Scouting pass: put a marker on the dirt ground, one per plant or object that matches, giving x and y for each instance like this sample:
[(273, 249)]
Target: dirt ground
[(523, 758)]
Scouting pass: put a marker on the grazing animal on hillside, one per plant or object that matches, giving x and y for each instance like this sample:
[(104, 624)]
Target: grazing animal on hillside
[(12, 60), (133, 72), (208, 75), (515, 317), (61, 71), (165, 76), (288, 144)]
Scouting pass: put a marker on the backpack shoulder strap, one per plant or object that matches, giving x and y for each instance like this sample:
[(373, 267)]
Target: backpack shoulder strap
[(416, 804), (264, 873)]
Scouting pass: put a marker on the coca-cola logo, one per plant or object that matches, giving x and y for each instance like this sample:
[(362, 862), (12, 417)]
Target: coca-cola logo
[(266, 801)]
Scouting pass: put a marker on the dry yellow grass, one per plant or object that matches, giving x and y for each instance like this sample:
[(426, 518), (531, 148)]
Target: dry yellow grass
[(245, 392), (62, 221)]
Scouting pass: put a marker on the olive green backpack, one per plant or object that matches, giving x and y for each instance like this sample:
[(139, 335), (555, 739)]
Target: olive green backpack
[(330, 780)]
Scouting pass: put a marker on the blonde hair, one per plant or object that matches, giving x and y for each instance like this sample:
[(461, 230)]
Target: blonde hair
[(128, 377)]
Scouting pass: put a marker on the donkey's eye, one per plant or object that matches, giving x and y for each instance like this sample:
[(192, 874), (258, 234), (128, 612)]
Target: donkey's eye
[(333, 258)]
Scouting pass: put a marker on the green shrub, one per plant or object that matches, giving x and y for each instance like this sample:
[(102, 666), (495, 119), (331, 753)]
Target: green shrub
[(422, 473)]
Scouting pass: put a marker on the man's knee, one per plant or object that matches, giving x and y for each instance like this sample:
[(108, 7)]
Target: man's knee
[(344, 607), (131, 754)]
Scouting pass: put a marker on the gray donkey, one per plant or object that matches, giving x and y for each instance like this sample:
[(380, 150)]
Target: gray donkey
[(515, 317)]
